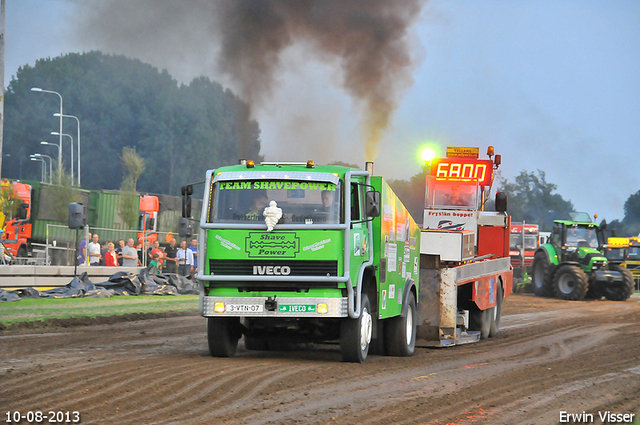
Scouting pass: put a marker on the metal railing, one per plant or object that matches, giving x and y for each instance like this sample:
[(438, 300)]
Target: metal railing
[(61, 249)]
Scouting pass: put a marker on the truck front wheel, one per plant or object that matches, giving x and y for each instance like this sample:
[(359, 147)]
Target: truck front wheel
[(355, 334), (400, 332), (223, 334)]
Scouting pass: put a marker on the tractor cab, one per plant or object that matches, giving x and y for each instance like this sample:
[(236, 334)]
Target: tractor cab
[(577, 240)]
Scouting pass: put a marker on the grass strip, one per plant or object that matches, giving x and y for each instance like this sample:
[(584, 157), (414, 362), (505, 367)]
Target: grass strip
[(27, 309)]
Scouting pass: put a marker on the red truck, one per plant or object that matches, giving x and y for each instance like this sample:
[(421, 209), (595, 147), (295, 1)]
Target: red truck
[(525, 239)]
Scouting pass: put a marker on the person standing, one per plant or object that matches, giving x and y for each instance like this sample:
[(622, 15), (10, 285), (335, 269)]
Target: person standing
[(194, 249), (122, 244), (155, 249), (170, 262), (110, 257), (82, 248), (94, 251), (130, 255), (185, 259)]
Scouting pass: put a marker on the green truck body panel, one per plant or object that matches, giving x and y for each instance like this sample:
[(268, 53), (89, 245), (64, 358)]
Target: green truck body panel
[(396, 245)]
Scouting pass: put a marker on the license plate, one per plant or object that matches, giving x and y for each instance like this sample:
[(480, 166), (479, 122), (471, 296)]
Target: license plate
[(297, 308), (245, 308)]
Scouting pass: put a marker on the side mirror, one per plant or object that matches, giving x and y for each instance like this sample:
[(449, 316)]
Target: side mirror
[(373, 204), (501, 202)]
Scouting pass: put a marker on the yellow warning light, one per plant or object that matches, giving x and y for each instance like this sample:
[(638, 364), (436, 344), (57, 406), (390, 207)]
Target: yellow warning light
[(322, 308), (311, 164), (617, 242), (250, 163), (490, 151), (218, 307)]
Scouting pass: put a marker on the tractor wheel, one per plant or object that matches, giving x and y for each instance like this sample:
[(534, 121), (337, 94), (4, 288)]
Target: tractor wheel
[(497, 313), (400, 332), (541, 275), (570, 283), (355, 334), (223, 334), (619, 291), (480, 320)]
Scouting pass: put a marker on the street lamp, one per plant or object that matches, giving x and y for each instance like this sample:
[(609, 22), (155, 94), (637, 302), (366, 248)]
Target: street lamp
[(38, 155), (39, 90), (49, 144), (44, 166), (78, 122), (55, 133)]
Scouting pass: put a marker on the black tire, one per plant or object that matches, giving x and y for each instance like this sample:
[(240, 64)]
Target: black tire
[(253, 343), (480, 320), (223, 334), (355, 334), (400, 332), (619, 291), (497, 312), (541, 270), (570, 283)]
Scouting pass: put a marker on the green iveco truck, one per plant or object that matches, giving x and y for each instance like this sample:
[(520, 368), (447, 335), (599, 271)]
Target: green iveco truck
[(306, 253)]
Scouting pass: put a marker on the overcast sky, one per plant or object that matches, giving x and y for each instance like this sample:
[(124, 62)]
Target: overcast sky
[(553, 85)]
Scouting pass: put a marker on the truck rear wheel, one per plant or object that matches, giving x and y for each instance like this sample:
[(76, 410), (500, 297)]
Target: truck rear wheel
[(355, 334), (480, 320), (223, 334), (400, 332), (497, 312), (570, 283), (541, 275), (619, 291)]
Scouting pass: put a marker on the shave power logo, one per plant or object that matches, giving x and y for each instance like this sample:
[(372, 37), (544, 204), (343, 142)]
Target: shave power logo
[(264, 245)]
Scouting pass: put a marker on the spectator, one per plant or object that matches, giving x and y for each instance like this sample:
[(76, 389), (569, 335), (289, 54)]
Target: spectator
[(194, 249), (155, 249), (129, 255), (185, 260), (103, 252), (122, 244), (111, 257), (82, 251), (94, 251), (154, 265), (170, 264)]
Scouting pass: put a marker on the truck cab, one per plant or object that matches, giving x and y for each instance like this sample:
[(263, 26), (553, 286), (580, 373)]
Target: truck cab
[(306, 253)]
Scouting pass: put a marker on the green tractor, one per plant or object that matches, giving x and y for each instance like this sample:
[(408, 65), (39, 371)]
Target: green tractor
[(572, 265)]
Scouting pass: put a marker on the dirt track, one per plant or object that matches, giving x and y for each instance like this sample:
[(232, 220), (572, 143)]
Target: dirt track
[(550, 356)]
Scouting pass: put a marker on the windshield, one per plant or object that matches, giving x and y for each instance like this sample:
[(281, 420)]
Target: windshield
[(530, 241), (634, 253), (582, 237), (301, 202), (453, 195)]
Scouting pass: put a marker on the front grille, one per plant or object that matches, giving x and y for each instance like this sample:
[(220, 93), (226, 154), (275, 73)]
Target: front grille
[(258, 267)]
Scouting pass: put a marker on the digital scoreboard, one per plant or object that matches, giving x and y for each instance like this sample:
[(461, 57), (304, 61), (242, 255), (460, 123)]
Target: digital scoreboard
[(462, 170)]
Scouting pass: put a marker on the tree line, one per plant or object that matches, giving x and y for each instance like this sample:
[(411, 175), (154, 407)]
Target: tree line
[(180, 130)]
